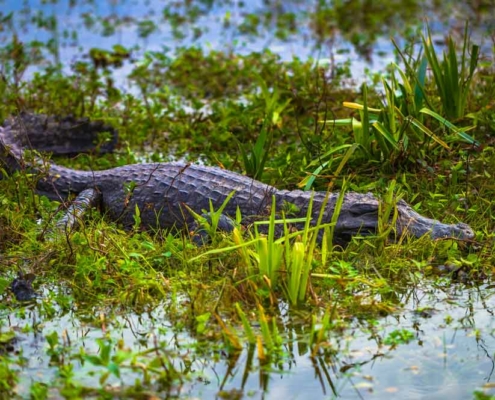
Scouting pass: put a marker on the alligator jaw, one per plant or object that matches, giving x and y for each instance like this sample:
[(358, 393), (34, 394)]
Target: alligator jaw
[(411, 222), (359, 215)]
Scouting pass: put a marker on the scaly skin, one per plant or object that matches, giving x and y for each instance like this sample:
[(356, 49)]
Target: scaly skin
[(162, 190)]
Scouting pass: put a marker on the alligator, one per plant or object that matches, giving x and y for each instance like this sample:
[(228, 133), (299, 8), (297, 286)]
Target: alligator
[(165, 193)]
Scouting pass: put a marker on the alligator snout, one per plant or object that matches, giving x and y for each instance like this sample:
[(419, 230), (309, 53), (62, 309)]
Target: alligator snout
[(457, 231)]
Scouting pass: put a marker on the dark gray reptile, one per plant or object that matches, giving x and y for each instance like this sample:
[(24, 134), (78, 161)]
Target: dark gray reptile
[(162, 190)]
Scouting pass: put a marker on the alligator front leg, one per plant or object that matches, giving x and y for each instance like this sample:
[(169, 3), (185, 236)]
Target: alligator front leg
[(87, 199)]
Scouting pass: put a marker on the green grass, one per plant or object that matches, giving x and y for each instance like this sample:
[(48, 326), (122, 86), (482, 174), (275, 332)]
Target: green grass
[(246, 291)]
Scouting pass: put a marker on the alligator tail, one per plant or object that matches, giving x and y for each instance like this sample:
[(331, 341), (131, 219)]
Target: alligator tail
[(64, 136)]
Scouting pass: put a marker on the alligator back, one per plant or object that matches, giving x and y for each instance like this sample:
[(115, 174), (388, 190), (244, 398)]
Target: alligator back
[(162, 191)]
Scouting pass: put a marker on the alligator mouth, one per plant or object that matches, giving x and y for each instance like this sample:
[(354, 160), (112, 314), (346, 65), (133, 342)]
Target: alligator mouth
[(412, 222)]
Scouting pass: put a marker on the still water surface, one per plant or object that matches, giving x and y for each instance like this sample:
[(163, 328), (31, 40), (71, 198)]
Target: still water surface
[(453, 348), (450, 355)]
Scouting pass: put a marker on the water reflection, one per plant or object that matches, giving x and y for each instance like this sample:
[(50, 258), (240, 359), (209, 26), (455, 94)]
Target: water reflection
[(451, 350), (450, 354), (357, 30)]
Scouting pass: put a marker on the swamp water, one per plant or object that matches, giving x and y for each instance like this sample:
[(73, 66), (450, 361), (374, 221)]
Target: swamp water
[(440, 342), (448, 352)]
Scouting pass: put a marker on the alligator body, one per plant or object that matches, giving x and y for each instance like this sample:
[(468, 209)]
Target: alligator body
[(162, 191)]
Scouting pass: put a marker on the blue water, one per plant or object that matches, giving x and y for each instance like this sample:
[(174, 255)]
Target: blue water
[(336, 51), (216, 37), (450, 355), (453, 349)]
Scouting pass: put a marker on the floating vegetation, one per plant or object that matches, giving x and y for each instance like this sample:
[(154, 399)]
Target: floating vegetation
[(275, 306)]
